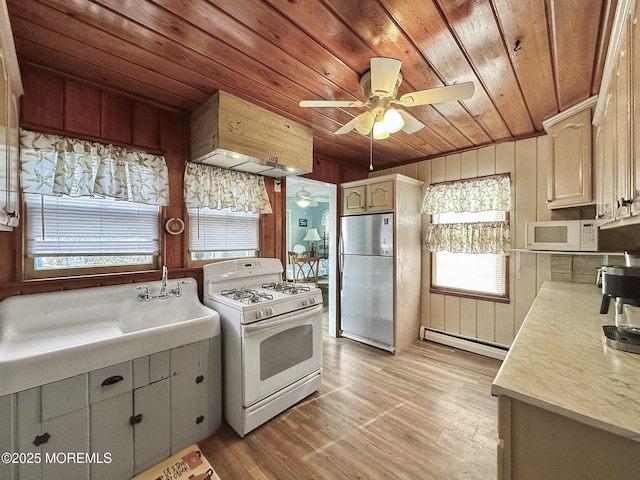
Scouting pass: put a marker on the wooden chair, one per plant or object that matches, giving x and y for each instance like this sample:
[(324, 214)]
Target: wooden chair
[(305, 270)]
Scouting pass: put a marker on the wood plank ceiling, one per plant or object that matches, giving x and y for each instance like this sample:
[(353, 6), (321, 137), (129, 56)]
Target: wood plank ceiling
[(529, 59)]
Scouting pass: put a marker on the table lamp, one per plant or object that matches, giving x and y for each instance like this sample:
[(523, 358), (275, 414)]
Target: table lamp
[(312, 236)]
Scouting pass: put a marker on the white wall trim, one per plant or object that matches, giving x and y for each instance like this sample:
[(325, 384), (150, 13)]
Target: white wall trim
[(463, 343)]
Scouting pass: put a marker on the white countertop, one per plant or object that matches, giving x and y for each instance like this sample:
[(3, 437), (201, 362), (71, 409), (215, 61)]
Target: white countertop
[(559, 362)]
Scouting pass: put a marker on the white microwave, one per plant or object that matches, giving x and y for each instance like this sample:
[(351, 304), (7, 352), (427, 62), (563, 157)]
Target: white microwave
[(568, 235)]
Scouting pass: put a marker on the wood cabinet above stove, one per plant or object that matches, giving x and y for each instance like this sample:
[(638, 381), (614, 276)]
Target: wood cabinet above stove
[(229, 132)]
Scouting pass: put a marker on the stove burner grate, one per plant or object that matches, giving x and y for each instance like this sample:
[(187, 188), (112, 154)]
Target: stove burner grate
[(239, 293), (286, 287)]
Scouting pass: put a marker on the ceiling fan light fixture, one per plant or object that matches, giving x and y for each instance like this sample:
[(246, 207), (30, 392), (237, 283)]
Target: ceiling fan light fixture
[(302, 203), (380, 131), (393, 120)]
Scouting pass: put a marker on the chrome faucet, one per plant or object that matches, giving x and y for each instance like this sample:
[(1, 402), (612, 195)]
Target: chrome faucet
[(163, 289)]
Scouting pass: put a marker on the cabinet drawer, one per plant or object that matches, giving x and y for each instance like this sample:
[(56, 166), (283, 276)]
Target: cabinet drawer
[(185, 358), (110, 381), (64, 396)]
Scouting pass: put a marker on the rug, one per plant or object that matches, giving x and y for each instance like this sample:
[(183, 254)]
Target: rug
[(189, 464)]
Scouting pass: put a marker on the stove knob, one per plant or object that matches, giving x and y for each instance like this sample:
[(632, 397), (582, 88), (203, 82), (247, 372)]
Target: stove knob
[(270, 310), (259, 314), (312, 300), (305, 302)]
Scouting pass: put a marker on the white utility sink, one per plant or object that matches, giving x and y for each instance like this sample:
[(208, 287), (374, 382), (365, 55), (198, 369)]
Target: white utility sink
[(46, 337)]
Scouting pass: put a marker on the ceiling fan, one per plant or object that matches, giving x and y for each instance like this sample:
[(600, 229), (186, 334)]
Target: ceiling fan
[(304, 198), (380, 85)]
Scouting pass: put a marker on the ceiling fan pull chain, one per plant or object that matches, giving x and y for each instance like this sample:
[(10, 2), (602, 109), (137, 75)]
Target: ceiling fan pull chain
[(371, 151)]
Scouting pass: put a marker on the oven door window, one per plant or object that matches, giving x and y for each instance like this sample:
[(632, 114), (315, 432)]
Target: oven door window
[(284, 350)]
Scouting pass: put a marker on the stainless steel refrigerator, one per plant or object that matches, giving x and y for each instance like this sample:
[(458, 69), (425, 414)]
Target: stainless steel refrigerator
[(366, 279)]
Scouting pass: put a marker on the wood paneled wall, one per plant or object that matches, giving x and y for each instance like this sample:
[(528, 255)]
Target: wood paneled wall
[(57, 104), (497, 323)]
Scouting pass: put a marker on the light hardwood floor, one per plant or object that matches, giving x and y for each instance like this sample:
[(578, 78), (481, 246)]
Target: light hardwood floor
[(425, 413)]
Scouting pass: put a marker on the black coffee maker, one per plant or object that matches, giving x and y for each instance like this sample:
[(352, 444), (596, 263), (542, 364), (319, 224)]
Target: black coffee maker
[(623, 285)]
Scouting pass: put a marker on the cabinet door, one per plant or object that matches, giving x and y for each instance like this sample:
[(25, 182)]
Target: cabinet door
[(8, 434), (189, 408), (13, 160), (623, 119), (69, 434), (53, 421), (606, 170), (29, 427), (152, 435), (380, 196), (112, 432), (569, 181), (354, 200), (4, 142), (635, 89)]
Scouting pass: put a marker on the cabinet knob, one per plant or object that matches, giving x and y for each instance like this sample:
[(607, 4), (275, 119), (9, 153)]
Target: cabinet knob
[(135, 419), (200, 419), (200, 379), (600, 216), (548, 201), (41, 439)]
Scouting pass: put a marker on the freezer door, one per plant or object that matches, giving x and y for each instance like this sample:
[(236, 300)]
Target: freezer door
[(367, 234), (367, 299)]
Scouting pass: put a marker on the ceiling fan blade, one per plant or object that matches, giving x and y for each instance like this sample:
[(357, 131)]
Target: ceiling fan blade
[(331, 103), (384, 75), (347, 127), (364, 122), (411, 123), (460, 91)]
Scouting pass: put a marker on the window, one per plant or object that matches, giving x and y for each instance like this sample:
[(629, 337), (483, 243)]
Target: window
[(469, 236), (215, 234), (469, 273), (82, 232)]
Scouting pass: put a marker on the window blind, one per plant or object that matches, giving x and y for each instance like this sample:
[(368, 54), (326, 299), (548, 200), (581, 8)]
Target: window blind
[(470, 272), (223, 230), (70, 226)]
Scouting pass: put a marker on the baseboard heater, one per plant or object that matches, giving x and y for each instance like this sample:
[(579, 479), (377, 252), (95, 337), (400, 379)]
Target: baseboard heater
[(464, 343)]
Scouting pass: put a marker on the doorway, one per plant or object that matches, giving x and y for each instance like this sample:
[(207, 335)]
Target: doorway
[(311, 225)]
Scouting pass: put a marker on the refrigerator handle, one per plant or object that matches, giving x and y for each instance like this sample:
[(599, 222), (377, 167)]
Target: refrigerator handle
[(340, 259)]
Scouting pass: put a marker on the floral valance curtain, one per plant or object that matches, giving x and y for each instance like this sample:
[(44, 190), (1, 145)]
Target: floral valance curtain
[(63, 166), (473, 195), (218, 188), (467, 216), (472, 237)]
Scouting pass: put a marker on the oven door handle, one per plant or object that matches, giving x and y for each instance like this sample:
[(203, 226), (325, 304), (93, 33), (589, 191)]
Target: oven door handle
[(277, 322)]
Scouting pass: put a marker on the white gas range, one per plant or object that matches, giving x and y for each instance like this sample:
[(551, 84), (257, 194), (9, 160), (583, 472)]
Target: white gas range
[(272, 338)]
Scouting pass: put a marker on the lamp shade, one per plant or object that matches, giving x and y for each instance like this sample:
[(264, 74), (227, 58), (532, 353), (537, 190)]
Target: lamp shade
[(380, 131), (393, 120), (312, 235)]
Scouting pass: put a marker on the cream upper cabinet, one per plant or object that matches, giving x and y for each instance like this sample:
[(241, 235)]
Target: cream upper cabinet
[(10, 92), (605, 157), (368, 198), (634, 34), (570, 157), (617, 123)]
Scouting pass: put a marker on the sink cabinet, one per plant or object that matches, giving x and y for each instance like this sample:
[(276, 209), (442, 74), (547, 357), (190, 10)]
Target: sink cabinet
[(128, 416)]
